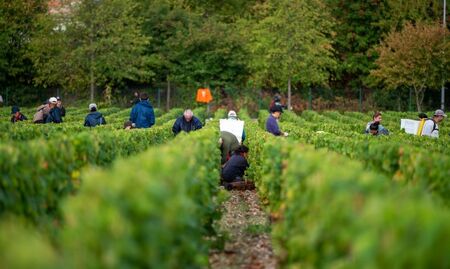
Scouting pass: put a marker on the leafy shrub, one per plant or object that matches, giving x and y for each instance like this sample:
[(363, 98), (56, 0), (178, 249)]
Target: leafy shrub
[(37, 174)]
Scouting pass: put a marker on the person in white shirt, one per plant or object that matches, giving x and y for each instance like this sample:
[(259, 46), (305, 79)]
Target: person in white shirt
[(431, 128)]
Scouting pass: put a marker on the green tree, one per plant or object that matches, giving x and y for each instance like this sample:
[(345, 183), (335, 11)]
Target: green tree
[(195, 43), (397, 12), (90, 43), (17, 23), (357, 31), (211, 54), (361, 25), (416, 57), (292, 44), (225, 10), (164, 20)]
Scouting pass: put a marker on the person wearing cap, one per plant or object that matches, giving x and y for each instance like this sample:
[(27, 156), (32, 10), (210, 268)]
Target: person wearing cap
[(94, 117), (142, 114), (276, 101), (17, 115), (232, 135), (272, 121), (54, 115), (431, 128), (186, 123), (232, 115), (377, 118), (60, 106)]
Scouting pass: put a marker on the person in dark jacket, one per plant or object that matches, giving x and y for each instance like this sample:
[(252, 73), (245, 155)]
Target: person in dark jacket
[(234, 168), (135, 99), (17, 115), (188, 122), (272, 121), (94, 118), (60, 106), (142, 114), (276, 101), (54, 114), (377, 117)]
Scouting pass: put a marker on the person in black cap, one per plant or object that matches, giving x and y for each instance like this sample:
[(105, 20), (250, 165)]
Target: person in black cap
[(276, 101), (60, 106), (17, 115), (272, 121)]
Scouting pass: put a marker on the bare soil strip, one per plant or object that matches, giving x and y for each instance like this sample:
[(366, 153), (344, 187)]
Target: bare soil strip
[(247, 228)]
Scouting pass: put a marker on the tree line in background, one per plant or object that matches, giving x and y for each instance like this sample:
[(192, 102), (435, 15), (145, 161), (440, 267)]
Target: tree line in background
[(383, 48)]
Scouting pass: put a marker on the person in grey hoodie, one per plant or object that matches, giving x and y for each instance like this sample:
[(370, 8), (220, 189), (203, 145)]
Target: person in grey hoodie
[(94, 118)]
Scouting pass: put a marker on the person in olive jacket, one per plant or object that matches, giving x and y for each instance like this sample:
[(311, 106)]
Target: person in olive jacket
[(188, 122)]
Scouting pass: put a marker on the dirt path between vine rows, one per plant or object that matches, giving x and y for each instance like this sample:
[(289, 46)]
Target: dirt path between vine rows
[(247, 230)]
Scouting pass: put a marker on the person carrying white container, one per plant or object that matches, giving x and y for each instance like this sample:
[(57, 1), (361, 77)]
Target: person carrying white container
[(232, 135), (430, 127)]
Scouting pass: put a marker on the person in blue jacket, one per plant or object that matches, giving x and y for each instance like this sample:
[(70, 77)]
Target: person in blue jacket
[(94, 118), (272, 121), (142, 114), (188, 122), (54, 115)]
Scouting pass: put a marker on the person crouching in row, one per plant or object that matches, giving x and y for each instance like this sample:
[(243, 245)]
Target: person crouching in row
[(48, 113), (234, 169), (376, 122), (17, 115)]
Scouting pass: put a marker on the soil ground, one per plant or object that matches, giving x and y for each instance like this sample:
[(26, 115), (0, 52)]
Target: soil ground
[(247, 228)]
